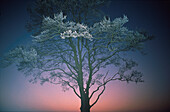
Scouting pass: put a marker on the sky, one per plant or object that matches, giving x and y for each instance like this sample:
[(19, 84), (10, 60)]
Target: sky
[(17, 94)]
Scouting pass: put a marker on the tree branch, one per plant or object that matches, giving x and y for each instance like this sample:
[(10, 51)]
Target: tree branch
[(104, 83), (71, 70), (71, 87), (98, 96), (67, 84), (60, 70), (104, 59), (74, 90), (90, 70), (69, 64)]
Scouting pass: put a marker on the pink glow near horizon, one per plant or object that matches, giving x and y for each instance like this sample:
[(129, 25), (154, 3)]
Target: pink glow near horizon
[(118, 96)]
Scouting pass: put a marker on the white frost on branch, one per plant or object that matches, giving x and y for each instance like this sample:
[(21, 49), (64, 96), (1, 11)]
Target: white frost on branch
[(59, 27), (74, 34), (52, 27), (115, 26), (29, 55), (21, 54), (58, 18), (113, 31)]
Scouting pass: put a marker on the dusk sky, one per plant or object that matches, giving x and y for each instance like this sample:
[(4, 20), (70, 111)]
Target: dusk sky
[(17, 94)]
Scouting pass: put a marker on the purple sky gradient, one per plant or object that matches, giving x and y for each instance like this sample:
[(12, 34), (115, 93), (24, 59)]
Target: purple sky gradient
[(16, 93)]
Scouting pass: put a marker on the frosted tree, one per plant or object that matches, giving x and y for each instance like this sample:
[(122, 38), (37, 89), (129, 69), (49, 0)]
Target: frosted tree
[(72, 54)]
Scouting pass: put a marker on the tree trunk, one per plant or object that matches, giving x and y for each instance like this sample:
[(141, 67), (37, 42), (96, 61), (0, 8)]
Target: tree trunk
[(85, 106)]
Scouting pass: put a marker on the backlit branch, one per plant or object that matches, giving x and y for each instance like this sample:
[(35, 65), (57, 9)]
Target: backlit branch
[(47, 70), (99, 96)]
